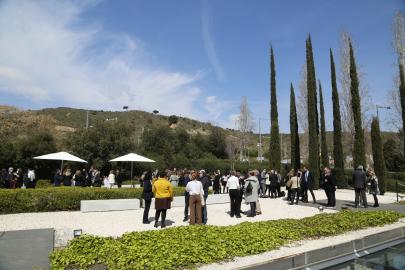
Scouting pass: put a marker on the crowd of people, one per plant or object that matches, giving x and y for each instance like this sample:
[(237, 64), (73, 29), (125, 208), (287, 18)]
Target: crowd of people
[(13, 179), (17, 178), (239, 186), (249, 186)]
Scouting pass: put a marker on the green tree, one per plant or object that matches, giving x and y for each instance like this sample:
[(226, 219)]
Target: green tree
[(324, 145), (394, 158), (102, 142), (402, 98), (294, 136), (173, 119), (35, 144), (337, 129), (313, 141), (359, 154), (378, 155), (275, 152), (217, 143)]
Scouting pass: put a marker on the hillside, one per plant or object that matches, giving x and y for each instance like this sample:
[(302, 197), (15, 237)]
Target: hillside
[(65, 120)]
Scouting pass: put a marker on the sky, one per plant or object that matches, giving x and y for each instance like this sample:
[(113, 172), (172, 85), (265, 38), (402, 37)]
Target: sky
[(190, 58)]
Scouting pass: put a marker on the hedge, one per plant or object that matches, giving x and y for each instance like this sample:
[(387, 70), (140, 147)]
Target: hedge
[(190, 246), (61, 198), (43, 183), (390, 179)]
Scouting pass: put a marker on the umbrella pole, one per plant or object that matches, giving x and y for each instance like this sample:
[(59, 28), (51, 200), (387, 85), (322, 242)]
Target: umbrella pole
[(132, 169), (61, 167)]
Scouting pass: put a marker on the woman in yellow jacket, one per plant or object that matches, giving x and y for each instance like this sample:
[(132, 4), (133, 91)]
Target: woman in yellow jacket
[(163, 191)]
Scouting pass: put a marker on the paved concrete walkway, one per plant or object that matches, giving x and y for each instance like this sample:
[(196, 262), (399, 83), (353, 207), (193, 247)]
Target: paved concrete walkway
[(23, 250)]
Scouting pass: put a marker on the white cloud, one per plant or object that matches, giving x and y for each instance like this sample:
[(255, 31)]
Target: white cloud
[(49, 53), (206, 21)]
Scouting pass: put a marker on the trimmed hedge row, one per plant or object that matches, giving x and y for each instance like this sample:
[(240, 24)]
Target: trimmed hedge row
[(189, 246), (42, 183), (61, 198), (390, 179)]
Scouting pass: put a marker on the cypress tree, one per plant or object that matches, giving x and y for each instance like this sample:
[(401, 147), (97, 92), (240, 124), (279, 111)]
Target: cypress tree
[(402, 98), (378, 155), (337, 129), (295, 140), (275, 152), (313, 141), (359, 154), (324, 146)]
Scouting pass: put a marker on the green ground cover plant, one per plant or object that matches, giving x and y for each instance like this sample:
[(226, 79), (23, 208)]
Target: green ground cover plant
[(61, 198), (190, 246)]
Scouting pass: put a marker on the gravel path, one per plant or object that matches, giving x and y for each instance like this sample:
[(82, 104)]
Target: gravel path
[(119, 222)]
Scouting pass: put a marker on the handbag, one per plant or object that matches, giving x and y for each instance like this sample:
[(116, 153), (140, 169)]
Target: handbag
[(202, 199)]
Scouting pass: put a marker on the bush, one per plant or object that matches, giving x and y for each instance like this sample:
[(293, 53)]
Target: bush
[(390, 179), (190, 246), (61, 198)]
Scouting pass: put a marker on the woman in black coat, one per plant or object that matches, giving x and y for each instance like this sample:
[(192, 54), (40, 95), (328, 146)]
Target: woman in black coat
[(147, 196)]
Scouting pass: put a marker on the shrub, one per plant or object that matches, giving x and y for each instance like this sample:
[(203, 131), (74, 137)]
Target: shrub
[(390, 179), (61, 198), (188, 246)]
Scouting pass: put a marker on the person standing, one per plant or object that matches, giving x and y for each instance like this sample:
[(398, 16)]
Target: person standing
[(216, 186), (224, 181), (267, 182), (58, 178), (111, 178), (287, 184), (186, 179), (330, 187), (174, 178), (206, 183), (241, 178), (13, 180), (196, 196), (78, 177), (278, 184), (252, 192), (96, 178), (67, 178), (32, 179), (273, 184), (3, 178), (20, 177), (374, 189), (234, 194), (147, 196), (295, 186), (119, 178), (163, 191), (359, 182), (9, 178), (307, 183)]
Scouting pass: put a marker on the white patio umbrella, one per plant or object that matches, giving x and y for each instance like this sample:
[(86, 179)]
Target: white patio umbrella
[(131, 157), (63, 156)]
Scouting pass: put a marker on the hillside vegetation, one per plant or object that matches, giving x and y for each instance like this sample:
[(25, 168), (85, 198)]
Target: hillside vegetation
[(175, 141)]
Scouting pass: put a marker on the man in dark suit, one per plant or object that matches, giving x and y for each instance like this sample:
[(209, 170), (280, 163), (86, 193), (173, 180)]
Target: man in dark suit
[(307, 183), (360, 183), (329, 184)]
